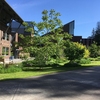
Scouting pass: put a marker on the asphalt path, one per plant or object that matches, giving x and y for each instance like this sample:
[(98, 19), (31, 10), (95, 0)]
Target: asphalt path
[(81, 84)]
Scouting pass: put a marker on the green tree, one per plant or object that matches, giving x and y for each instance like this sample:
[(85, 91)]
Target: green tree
[(92, 35), (97, 37), (75, 51), (94, 50), (96, 34), (47, 40)]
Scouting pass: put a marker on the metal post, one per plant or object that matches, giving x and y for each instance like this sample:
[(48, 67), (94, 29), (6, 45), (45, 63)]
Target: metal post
[(8, 26)]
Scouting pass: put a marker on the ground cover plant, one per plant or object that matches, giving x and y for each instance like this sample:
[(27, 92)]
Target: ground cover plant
[(10, 68), (31, 71)]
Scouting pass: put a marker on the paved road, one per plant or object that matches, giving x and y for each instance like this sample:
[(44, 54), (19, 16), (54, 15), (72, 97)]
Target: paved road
[(73, 85)]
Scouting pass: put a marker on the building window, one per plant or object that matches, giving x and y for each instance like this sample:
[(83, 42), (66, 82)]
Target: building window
[(5, 36), (5, 51), (71, 28)]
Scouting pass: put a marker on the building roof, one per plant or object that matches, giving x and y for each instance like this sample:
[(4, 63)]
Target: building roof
[(7, 13)]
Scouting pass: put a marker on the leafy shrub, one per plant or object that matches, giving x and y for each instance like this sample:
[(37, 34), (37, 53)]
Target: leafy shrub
[(95, 59), (98, 58), (10, 68), (75, 51), (1, 65), (84, 61), (94, 50), (81, 46), (86, 52), (92, 59), (31, 63), (51, 62), (56, 61), (28, 63)]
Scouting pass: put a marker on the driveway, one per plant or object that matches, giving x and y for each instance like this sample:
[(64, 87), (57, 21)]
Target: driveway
[(72, 85)]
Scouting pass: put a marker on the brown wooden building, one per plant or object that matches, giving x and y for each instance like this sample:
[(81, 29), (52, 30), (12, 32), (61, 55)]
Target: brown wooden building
[(11, 26), (7, 16)]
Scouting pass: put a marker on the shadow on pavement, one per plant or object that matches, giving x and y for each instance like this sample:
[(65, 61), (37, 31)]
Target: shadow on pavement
[(65, 84)]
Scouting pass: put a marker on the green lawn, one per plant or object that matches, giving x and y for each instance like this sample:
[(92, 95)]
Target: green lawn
[(93, 63), (45, 70)]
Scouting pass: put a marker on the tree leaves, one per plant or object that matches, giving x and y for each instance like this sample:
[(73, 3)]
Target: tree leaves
[(48, 40)]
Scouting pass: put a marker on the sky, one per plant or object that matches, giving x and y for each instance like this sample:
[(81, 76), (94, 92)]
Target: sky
[(86, 13)]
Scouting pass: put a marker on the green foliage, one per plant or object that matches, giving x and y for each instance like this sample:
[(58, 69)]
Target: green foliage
[(1, 57), (96, 34), (47, 70), (86, 53), (98, 50), (28, 63), (1, 65), (98, 58), (92, 59), (75, 51), (47, 42), (95, 59), (26, 42), (94, 50), (84, 61), (97, 38), (10, 68)]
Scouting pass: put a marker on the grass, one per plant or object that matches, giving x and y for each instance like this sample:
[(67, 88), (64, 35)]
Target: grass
[(46, 70), (93, 63)]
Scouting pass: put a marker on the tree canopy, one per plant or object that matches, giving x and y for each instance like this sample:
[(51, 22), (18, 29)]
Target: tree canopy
[(49, 41), (96, 34), (47, 37)]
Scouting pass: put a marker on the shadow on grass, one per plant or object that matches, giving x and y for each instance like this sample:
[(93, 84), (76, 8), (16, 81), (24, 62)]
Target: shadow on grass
[(56, 67), (58, 85)]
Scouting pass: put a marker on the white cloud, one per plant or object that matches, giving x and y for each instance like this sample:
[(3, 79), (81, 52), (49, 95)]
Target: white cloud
[(28, 4), (24, 5), (14, 6)]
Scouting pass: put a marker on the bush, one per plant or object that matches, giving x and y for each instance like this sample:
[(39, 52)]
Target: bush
[(1, 65), (98, 58), (94, 50), (95, 59), (92, 59), (75, 51), (31, 63), (10, 68), (28, 63), (84, 61)]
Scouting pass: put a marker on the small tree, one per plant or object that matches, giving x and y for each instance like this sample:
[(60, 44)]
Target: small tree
[(96, 34), (75, 51), (94, 50), (48, 39)]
